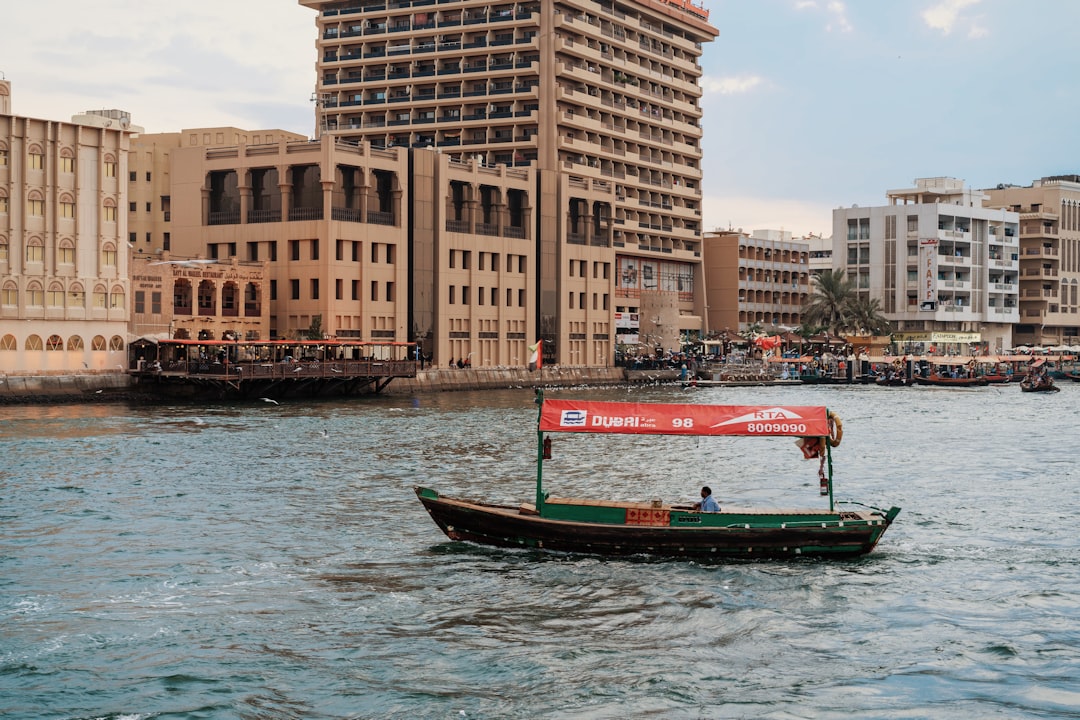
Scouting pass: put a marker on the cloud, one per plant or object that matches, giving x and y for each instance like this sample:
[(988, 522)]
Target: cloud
[(945, 15), (837, 12), (766, 213), (730, 85), (839, 22)]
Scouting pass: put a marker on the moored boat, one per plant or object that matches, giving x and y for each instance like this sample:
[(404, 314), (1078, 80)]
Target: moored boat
[(613, 527), (948, 381)]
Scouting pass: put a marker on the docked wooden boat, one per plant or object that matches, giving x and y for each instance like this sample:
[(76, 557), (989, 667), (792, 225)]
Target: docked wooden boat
[(945, 381), (612, 527)]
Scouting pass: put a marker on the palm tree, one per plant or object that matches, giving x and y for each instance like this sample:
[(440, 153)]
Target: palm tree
[(830, 304), (866, 316)]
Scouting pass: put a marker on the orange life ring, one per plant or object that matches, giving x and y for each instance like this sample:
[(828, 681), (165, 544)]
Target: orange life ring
[(836, 429)]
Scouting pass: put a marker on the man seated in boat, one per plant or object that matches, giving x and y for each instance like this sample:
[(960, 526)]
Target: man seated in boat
[(708, 502)]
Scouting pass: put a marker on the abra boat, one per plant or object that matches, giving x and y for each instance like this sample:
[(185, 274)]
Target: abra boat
[(946, 381), (612, 527), (1040, 384)]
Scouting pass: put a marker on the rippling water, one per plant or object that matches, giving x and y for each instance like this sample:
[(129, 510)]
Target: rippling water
[(271, 561)]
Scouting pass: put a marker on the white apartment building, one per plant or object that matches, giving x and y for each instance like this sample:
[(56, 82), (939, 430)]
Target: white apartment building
[(944, 266), (64, 285)]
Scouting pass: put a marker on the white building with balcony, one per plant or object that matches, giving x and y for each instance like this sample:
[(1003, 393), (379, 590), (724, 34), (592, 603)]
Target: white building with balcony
[(945, 267)]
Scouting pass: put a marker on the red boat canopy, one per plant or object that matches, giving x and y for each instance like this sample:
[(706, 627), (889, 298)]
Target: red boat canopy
[(671, 419)]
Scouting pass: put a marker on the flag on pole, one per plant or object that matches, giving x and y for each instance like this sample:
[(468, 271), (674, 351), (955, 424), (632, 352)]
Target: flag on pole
[(536, 359)]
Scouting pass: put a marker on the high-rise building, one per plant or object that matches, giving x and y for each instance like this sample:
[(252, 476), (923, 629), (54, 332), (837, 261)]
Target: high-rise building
[(944, 266), (1049, 258), (64, 285), (600, 98)]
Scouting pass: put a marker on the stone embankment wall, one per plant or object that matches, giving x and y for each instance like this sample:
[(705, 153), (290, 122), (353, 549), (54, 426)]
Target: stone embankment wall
[(99, 387), (449, 379), (83, 387)]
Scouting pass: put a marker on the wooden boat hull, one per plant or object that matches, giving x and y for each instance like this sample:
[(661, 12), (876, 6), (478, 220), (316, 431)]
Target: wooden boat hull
[(941, 381), (670, 531), (1028, 387)]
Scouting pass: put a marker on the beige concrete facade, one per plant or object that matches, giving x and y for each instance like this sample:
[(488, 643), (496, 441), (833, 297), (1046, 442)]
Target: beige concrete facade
[(1049, 212), (328, 216), (149, 182), (601, 99), (64, 287), (944, 265), (760, 279), (199, 299)]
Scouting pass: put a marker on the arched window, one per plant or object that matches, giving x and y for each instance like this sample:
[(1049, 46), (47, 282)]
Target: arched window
[(117, 298), (10, 294), (76, 296), (116, 343), (55, 342), (108, 254), (4, 248), (35, 250), (100, 297), (65, 252), (98, 343), (8, 342), (182, 297), (207, 304), (251, 300), (75, 342), (55, 296), (33, 343), (35, 295)]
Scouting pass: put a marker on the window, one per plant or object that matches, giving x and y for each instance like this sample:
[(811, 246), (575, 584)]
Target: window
[(131, 207), (3, 157), (110, 214), (147, 176), (149, 207), (55, 297), (3, 249), (110, 169), (315, 249), (35, 208), (374, 290), (35, 252), (3, 204), (54, 343), (494, 296), (390, 292), (76, 298), (339, 289), (294, 249), (117, 299), (355, 289), (155, 302), (108, 257), (9, 295), (140, 301), (315, 288), (294, 289), (99, 299), (452, 293), (273, 289), (131, 176), (35, 161), (374, 252), (465, 295), (67, 209), (35, 296), (67, 165)]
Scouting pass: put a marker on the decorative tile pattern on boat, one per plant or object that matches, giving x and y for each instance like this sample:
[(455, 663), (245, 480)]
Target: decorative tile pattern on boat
[(648, 516)]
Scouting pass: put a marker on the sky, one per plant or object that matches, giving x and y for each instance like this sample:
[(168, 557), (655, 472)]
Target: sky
[(809, 105)]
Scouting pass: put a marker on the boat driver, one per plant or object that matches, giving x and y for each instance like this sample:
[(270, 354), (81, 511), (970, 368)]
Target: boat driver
[(708, 502)]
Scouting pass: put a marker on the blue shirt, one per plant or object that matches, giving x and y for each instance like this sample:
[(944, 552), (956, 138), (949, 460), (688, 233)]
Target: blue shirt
[(709, 504)]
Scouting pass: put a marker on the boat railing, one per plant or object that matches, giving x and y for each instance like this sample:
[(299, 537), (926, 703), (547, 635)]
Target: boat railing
[(251, 369)]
